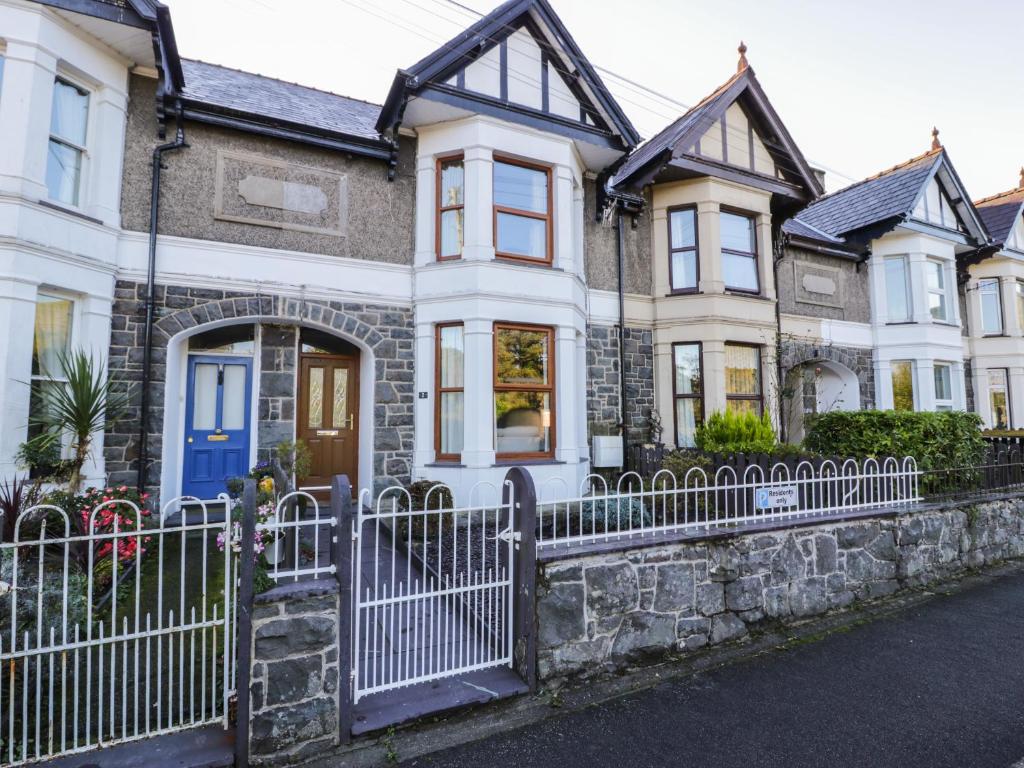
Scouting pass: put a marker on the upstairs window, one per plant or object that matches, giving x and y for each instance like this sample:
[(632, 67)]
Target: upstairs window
[(938, 299), (522, 211), (682, 248), (451, 200), (943, 387), (450, 392), (523, 391), (68, 120), (902, 385), (739, 252), (897, 290), (688, 393), (991, 307), (1019, 287), (743, 378)]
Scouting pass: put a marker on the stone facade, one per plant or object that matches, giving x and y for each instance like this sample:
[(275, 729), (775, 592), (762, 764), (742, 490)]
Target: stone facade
[(603, 612), (294, 685), (603, 381), (387, 331), (277, 396), (796, 351)]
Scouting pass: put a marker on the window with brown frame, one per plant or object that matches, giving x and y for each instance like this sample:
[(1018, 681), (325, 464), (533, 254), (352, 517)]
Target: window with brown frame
[(522, 211), (688, 391), (451, 200), (683, 264), (524, 391), (449, 378), (738, 232), (743, 378)]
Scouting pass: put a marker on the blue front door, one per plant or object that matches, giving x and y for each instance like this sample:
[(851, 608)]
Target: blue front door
[(217, 409)]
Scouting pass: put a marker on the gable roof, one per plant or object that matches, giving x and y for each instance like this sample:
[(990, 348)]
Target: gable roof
[(483, 35), (880, 202), (679, 137), (224, 96), (1000, 212)]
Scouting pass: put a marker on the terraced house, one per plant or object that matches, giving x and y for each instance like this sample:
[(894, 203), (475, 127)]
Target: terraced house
[(490, 268)]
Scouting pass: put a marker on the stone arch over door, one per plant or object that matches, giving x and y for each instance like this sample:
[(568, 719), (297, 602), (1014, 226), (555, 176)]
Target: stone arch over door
[(383, 333), (852, 365), (818, 386)]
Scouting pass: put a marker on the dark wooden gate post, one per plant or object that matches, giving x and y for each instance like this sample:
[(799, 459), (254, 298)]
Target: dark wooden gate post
[(342, 511), (524, 573), (243, 620)]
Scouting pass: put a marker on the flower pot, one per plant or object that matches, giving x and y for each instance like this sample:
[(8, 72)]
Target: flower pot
[(274, 552)]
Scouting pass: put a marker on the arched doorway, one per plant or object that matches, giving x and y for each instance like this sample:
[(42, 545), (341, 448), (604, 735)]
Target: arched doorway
[(817, 386)]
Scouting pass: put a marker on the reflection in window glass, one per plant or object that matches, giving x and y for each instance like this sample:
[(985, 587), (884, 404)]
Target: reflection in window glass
[(943, 387), (522, 218), (897, 290), (902, 385), (688, 393), (523, 415), (739, 251), (450, 395), (937, 299), (451, 201), (999, 409), (520, 188), (991, 306), (683, 249)]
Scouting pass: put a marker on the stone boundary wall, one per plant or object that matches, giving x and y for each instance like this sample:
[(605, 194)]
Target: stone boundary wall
[(294, 685), (602, 612)]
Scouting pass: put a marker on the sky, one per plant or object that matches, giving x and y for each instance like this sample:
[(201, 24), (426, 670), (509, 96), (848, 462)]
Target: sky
[(858, 83)]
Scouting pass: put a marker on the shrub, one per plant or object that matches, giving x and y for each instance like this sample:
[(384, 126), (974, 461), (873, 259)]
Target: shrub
[(422, 491), (680, 462), (731, 432), (618, 513), (936, 440)]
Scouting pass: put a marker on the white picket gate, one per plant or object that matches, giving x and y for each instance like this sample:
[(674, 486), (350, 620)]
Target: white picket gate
[(433, 593), (117, 627)]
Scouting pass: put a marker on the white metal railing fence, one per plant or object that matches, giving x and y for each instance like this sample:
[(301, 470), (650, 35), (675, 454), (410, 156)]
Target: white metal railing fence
[(296, 537), (117, 627), (728, 498), (432, 584)]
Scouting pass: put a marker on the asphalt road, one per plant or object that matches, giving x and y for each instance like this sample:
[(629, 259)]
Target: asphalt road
[(941, 684)]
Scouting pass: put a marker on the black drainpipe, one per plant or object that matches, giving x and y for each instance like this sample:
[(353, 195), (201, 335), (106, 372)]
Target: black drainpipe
[(147, 347), (779, 255), (621, 240)]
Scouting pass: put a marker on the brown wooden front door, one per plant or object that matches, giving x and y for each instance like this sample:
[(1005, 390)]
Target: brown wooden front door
[(329, 415)]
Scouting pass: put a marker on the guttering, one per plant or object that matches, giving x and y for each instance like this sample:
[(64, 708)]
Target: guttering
[(838, 251), (147, 347)]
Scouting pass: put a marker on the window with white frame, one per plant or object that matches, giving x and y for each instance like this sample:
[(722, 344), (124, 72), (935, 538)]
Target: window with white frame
[(68, 120), (991, 307), (897, 290), (902, 385), (943, 386), (51, 339), (938, 293), (999, 406), (1019, 289)]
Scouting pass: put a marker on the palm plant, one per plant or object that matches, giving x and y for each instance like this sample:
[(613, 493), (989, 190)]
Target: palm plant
[(83, 404)]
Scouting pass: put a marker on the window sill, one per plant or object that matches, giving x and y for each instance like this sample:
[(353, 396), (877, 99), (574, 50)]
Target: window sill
[(526, 462), (70, 211), (746, 294), (683, 292), (903, 322), (445, 464)]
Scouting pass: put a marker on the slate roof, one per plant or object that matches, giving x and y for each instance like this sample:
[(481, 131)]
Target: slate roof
[(800, 228), (883, 196), (668, 136), (265, 97), (1000, 212)]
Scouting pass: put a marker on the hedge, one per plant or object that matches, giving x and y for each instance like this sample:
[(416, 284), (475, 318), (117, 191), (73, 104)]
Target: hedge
[(937, 440)]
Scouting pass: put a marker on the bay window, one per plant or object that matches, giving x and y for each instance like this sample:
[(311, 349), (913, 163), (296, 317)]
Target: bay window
[(991, 307), (1020, 305), (743, 378), (450, 392), (522, 211), (524, 395), (739, 251), (68, 119), (938, 299), (682, 249), (897, 290), (998, 403), (688, 392), (902, 385), (450, 223), (943, 387)]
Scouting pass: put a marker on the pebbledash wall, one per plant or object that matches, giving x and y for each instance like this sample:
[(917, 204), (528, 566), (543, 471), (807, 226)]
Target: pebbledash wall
[(601, 612)]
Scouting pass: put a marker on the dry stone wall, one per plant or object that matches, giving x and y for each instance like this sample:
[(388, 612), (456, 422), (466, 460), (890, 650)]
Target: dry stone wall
[(602, 612)]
